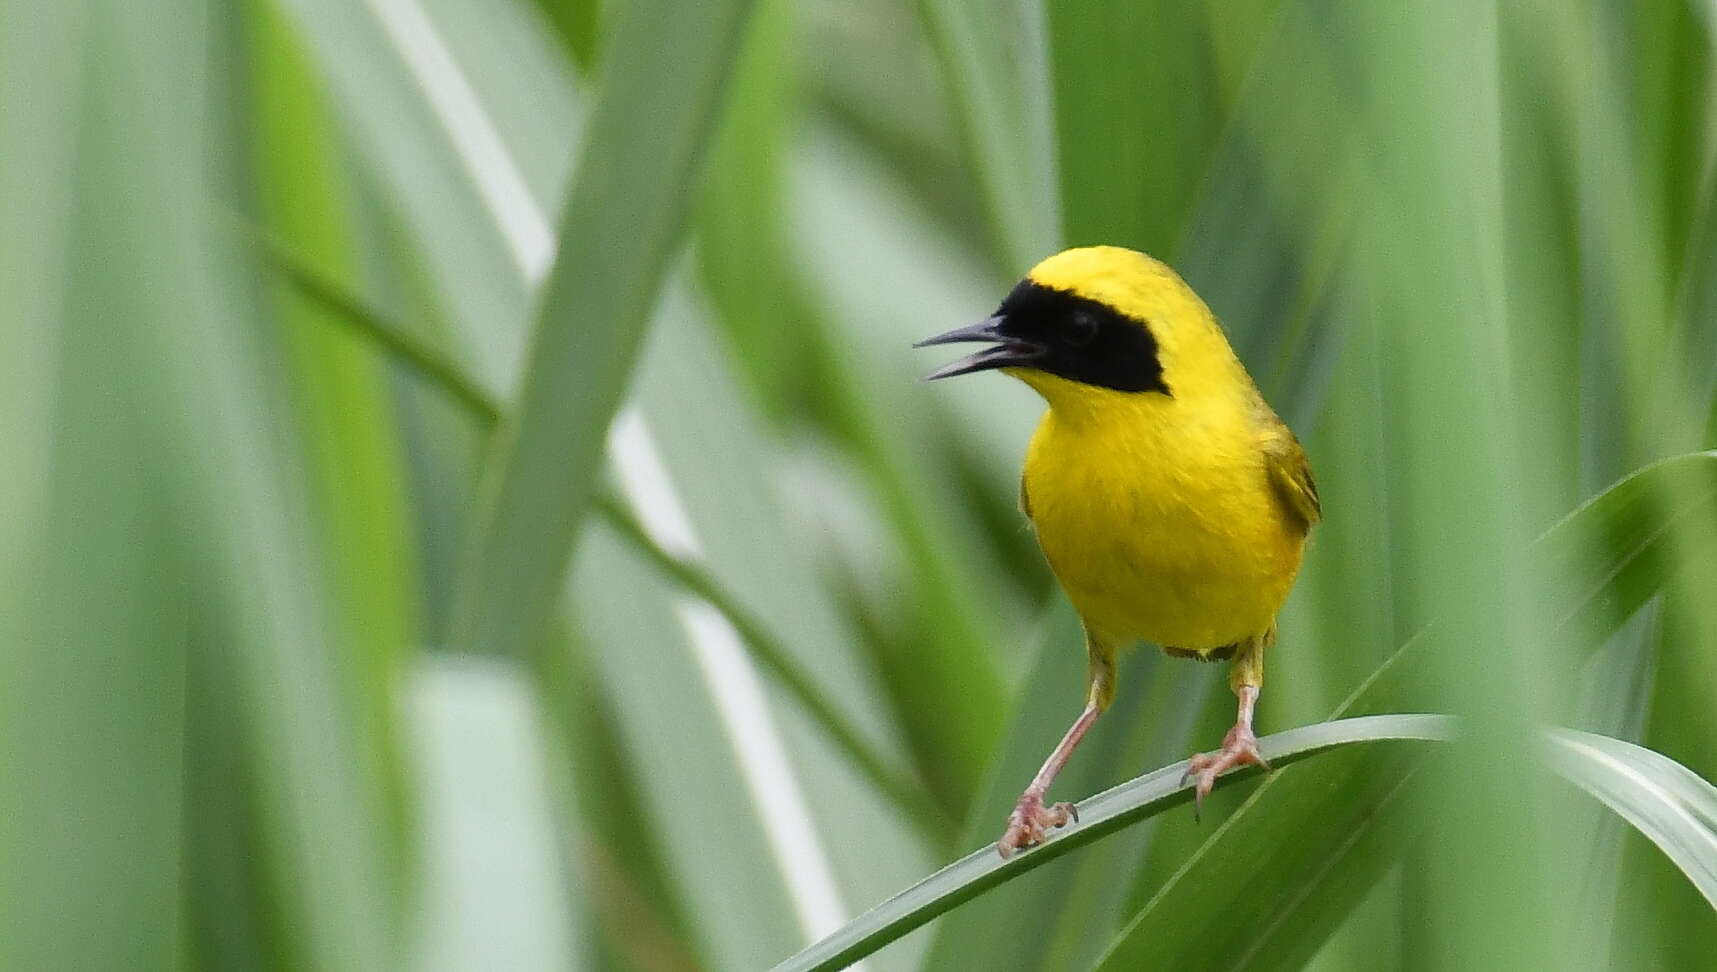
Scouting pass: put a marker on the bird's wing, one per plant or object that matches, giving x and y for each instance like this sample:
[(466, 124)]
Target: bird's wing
[(1291, 474)]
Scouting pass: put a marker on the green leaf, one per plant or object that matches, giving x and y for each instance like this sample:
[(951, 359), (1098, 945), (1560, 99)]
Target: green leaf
[(1594, 570), (1599, 564), (450, 167), (826, 839), (1045, 919), (489, 896), (765, 647), (700, 817), (1601, 553), (1099, 816), (1661, 914), (1351, 813), (1668, 803), (351, 310), (94, 598), (622, 223), (1348, 826), (774, 657), (741, 223), (994, 62), (1137, 115), (886, 276)]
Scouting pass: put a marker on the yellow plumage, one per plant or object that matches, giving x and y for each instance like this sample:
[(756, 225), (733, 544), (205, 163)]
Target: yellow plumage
[(1170, 501), (1166, 518)]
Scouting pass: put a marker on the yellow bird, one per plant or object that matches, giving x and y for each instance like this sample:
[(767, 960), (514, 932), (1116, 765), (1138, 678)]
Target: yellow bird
[(1170, 501)]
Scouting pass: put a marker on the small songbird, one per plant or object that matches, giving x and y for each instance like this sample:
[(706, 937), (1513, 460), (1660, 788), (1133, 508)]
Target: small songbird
[(1170, 501)]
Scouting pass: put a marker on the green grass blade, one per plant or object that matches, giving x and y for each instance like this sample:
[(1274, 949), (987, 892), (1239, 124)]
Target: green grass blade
[(578, 23), (622, 223), (1600, 564), (679, 760), (416, 120), (1657, 912), (1137, 116), (1099, 816), (1596, 567), (1047, 917), (674, 671), (1609, 540), (885, 275), (1351, 813), (742, 249), (1671, 805), (93, 595), (490, 897), (766, 649), (993, 59), (288, 170), (773, 656), (235, 534), (346, 307), (1346, 826)]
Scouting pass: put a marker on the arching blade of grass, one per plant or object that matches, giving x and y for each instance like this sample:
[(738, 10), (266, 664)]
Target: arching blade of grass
[(1351, 812), (1048, 918), (1671, 805), (1598, 566), (1099, 816), (1608, 552), (622, 223), (1348, 829), (1275, 303)]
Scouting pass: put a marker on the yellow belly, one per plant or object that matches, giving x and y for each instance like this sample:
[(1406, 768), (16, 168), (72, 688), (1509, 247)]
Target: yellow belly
[(1161, 533)]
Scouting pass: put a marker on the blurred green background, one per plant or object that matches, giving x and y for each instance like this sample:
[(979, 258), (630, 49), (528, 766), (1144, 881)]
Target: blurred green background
[(467, 501)]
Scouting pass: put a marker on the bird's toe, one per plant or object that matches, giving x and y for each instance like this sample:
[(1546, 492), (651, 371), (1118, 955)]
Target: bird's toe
[(1239, 748), (1030, 822)]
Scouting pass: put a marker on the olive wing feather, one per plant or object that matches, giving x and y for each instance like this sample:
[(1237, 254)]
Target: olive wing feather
[(1291, 476)]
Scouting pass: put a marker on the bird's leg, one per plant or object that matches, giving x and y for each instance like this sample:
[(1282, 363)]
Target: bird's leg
[(1239, 746), (1030, 819)]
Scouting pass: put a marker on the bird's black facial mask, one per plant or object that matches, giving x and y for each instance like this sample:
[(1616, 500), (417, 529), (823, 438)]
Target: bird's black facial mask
[(1062, 334)]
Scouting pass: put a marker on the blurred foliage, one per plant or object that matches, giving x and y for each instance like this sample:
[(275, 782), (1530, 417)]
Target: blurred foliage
[(326, 324)]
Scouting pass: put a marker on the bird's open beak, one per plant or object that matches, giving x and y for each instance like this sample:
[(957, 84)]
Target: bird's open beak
[(1006, 351)]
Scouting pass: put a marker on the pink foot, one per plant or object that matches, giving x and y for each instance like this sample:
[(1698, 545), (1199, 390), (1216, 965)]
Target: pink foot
[(1031, 821), (1239, 748)]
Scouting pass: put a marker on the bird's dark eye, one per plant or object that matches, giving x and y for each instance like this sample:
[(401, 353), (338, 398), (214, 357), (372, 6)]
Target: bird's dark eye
[(1081, 329)]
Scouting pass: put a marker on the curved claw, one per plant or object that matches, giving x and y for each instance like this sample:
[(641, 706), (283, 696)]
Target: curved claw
[(1239, 748)]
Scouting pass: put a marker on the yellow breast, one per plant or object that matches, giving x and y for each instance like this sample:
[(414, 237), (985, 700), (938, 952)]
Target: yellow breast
[(1161, 522)]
